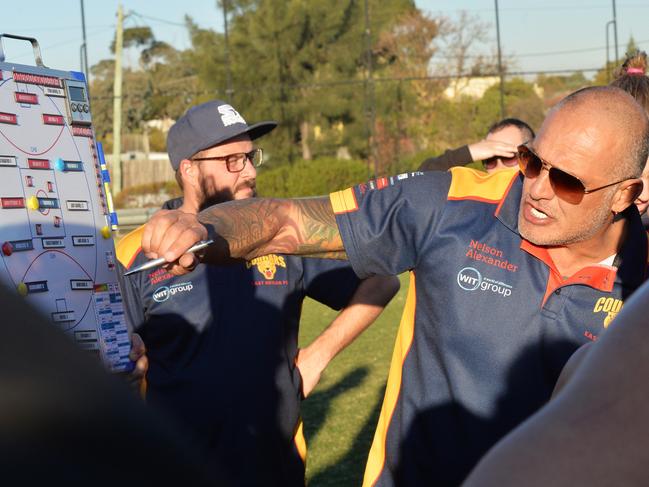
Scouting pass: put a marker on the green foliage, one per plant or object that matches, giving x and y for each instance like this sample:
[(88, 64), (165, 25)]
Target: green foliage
[(413, 161), (149, 91), (520, 102), (157, 140), (134, 37), (457, 122), (605, 75), (466, 120), (107, 142), (631, 47), (170, 189), (303, 63), (310, 178), (207, 59), (556, 87), (278, 48)]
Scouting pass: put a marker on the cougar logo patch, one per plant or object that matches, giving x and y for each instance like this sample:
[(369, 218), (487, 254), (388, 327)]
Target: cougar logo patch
[(267, 265)]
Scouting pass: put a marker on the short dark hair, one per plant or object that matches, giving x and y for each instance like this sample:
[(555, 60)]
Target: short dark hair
[(515, 122)]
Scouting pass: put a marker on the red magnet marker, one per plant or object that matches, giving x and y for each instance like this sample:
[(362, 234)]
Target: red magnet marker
[(7, 248)]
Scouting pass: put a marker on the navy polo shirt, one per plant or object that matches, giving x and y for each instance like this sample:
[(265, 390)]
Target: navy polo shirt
[(221, 343), (488, 324)]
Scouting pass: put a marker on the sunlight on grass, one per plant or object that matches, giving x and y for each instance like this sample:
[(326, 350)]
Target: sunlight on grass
[(341, 414)]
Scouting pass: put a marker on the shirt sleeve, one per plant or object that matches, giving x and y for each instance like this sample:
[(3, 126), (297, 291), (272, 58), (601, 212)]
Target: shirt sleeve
[(330, 282), (133, 307), (387, 223), (450, 158)]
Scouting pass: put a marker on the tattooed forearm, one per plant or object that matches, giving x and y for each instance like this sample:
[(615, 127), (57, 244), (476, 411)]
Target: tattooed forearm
[(244, 225), (253, 227), (316, 226)]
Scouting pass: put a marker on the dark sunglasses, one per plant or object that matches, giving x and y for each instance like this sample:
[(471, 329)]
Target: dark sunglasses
[(566, 186), (492, 162)]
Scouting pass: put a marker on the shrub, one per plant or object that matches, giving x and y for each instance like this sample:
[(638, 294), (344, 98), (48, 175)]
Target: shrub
[(147, 195), (310, 178)]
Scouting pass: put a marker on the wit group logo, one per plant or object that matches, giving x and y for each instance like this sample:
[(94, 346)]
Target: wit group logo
[(163, 293), (470, 279)]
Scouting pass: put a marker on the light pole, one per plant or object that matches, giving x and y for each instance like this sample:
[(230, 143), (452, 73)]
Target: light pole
[(608, 61), (369, 91), (500, 66), (615, 33), (84, 46), (228, 71)]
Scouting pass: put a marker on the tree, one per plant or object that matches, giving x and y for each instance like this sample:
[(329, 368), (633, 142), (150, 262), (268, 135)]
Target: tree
[(465, 120), (161, 85), (457, 48), (607, 74), (556, 87), (288, 59), (631, 48), (404, 51)]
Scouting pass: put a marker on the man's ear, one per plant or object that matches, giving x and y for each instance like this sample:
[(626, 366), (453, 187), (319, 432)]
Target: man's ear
[(626, 194), (187, 171)]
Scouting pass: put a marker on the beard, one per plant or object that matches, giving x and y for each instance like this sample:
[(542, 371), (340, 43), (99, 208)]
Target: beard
[(591, 224), (211, 197)]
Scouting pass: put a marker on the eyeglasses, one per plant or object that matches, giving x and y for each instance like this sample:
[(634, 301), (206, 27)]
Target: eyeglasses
[(236, 162), (492, 162), (566, 186)]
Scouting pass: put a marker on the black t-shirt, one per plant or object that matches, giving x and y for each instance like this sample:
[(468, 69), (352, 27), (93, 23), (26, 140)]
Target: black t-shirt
[(222, 341)]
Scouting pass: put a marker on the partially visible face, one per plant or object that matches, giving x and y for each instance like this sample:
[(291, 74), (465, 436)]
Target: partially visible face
[(584, 148), (510, 135), (642, 201), (216, 183)]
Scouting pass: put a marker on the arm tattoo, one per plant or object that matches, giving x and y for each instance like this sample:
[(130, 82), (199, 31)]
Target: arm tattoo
[(317, 227), (258, 226)]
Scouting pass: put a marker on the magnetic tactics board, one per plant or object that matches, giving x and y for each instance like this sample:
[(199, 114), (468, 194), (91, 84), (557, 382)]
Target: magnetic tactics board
[(55, 219)]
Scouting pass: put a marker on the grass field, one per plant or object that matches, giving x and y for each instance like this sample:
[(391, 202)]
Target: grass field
[(341, 413)]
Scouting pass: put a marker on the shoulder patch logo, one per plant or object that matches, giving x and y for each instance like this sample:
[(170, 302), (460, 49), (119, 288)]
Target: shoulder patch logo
[(267, 265), (610, 306)]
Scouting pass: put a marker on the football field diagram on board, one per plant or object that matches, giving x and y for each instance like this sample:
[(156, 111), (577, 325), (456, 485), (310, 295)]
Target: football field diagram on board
[(57, 247)]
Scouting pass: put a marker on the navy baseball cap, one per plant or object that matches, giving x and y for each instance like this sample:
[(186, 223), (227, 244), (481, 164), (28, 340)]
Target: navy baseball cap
[(207, 125)]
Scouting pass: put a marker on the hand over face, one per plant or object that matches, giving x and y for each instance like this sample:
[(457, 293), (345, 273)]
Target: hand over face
[(168, 234), (486, 149)]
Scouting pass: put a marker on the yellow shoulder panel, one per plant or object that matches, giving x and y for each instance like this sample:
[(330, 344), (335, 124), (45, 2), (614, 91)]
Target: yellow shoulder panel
[(129, 246), (471, 184)]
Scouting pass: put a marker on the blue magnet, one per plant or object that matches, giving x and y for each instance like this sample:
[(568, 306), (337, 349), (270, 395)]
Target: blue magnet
[(59, 165)]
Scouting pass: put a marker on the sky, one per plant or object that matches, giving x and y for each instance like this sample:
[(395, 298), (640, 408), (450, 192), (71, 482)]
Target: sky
[(540, 35)]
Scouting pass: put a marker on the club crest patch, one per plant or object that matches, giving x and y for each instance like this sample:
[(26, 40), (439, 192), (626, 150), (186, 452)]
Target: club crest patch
[(270, 267)]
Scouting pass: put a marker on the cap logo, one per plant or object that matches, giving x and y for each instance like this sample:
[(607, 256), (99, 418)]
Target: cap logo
[(229, 116)]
